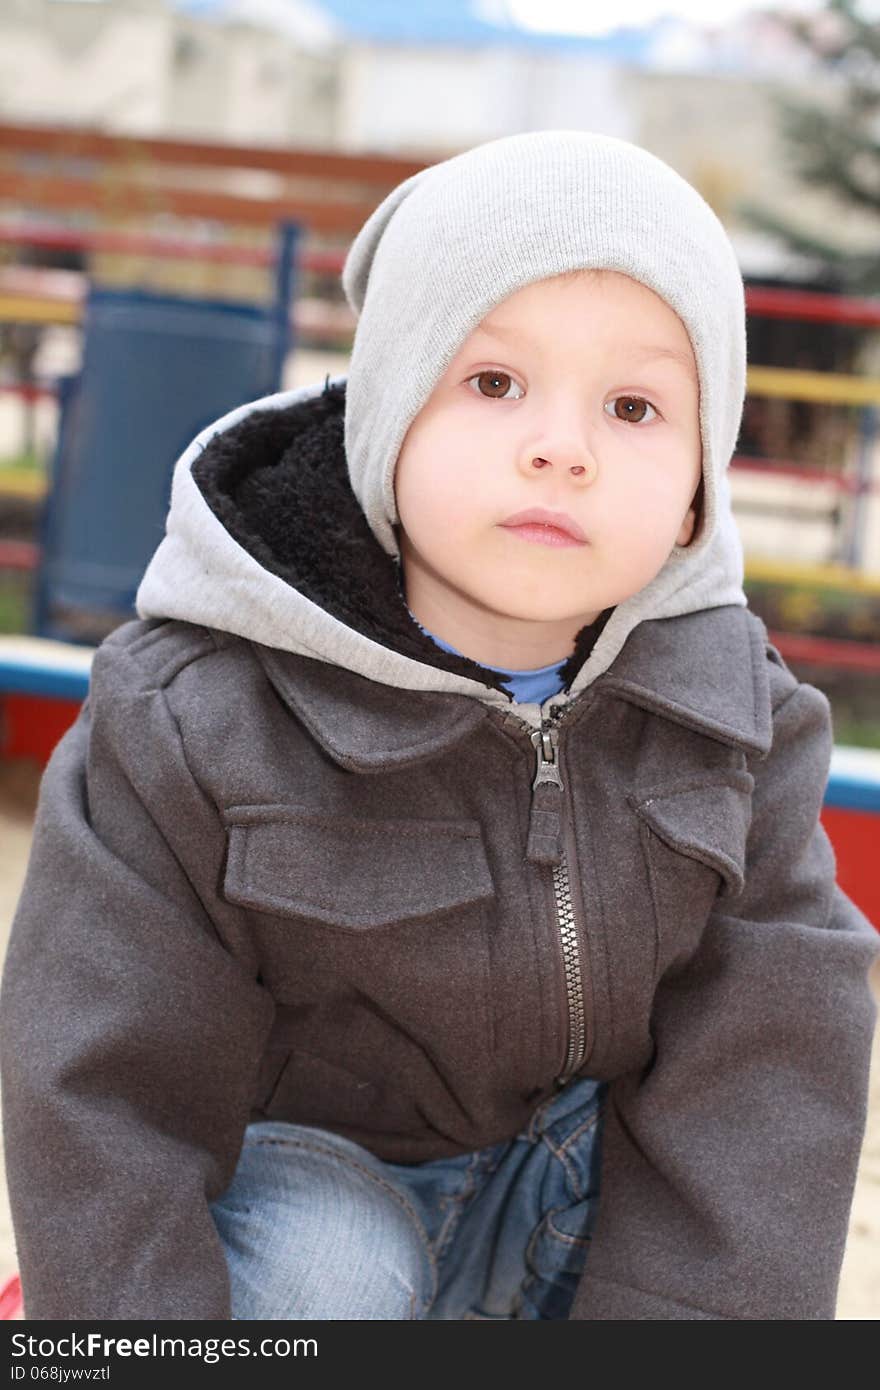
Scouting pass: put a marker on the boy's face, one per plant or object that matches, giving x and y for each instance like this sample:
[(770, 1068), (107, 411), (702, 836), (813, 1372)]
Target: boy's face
[(578, 395)]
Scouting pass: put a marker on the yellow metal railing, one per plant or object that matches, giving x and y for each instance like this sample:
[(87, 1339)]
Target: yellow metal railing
[(31, 308), (829, 388), (817, 576)]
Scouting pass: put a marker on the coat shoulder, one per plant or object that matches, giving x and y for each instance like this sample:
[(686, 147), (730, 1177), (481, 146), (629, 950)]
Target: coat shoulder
[(781, 680), (148, 654)]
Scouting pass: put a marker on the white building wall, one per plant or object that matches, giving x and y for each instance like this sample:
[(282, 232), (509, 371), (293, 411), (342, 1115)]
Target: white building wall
[(571, 90), (241, 84), (260, 79), (436, 101), (113, 78), (141, 68)]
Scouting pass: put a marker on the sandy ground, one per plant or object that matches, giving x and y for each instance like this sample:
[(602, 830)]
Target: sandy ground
[(860, 1282)]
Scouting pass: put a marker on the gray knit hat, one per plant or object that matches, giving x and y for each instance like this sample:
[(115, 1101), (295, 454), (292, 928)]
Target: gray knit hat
[(455, 239)]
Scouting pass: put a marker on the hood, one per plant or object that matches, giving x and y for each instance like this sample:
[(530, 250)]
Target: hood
[(266, 539)]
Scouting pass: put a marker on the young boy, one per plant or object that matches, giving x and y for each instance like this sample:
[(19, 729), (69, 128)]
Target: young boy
[(428, 914)]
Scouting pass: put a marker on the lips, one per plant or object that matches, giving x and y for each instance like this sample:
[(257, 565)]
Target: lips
[(540, 516)]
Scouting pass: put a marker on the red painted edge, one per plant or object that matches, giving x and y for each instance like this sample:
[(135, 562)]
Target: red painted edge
[(10, 1298), (31, 725), (827, 651), (853, 836)]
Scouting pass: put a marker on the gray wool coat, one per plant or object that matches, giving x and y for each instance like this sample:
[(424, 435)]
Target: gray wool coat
[(263, 885)]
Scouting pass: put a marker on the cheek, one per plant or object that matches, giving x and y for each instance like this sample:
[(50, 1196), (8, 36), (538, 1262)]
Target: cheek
[(438, 485), (641, 518), (424, 505), (655, 487)]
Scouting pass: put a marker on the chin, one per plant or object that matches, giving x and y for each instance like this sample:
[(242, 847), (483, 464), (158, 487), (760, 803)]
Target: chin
[(537, 612)]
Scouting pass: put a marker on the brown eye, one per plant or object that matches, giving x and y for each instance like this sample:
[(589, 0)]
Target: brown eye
[(496, 385), (632, 409)]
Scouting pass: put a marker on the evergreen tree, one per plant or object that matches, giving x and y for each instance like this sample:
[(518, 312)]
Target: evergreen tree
[(837, 150)]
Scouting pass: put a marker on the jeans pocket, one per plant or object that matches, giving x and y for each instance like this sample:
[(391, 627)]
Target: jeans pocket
[(557, 1251), (555, 1259)]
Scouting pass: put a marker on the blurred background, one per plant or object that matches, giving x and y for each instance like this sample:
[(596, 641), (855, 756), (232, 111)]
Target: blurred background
[(179, 183)]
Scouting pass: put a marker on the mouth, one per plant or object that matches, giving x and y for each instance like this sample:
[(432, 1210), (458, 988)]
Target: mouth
[(545, 527)]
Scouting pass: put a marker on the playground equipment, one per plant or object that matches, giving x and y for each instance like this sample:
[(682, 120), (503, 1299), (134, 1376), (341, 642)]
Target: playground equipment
[(156, 369)]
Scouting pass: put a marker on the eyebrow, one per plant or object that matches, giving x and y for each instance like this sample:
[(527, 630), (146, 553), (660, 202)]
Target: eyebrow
[(647, 353), (655, 352), (498, 330)]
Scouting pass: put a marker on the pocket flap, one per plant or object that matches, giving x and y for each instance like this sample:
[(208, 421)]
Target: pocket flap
[(707, 821), (351, 872)]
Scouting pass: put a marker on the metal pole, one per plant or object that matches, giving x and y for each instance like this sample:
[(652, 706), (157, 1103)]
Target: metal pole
[(867, 443), (285, 288)]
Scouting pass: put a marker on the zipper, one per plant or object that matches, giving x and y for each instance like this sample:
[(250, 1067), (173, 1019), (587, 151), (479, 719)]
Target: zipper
[(551, 843)]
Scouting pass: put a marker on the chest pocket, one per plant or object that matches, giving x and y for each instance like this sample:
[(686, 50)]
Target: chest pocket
[(373, 937), (694, 841), (351, 873)]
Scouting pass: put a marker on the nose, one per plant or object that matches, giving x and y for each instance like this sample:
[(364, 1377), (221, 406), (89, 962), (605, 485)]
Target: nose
[(579, 470), (571, 457)]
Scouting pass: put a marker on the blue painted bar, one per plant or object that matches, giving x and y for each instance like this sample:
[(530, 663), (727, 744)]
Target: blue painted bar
[(51, 682), (854, 780), (36, 666)]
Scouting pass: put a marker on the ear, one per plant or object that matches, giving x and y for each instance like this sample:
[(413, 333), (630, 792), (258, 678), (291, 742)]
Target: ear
[(687, 528), (691, 520)]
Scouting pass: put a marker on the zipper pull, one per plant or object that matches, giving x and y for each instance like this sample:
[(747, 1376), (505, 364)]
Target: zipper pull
[(545, 813), (545, 741)]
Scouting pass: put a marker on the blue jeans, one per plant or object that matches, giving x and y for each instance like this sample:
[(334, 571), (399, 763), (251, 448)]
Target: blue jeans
[(315, 1226)]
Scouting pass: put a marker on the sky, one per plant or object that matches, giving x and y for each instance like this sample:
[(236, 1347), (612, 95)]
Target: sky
[(598, 17)]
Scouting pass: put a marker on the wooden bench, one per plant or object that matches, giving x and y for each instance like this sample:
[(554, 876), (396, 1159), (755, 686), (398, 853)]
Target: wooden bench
[(119, 180)]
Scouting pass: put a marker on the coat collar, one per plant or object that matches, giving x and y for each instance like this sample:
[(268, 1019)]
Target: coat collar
[(364, 725), (705, 670)]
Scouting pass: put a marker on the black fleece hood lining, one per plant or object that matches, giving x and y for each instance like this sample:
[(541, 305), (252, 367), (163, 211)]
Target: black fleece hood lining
[(278, 481)]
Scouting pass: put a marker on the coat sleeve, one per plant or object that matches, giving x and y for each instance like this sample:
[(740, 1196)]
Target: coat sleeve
[(129, 1033), (729, 1162)]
